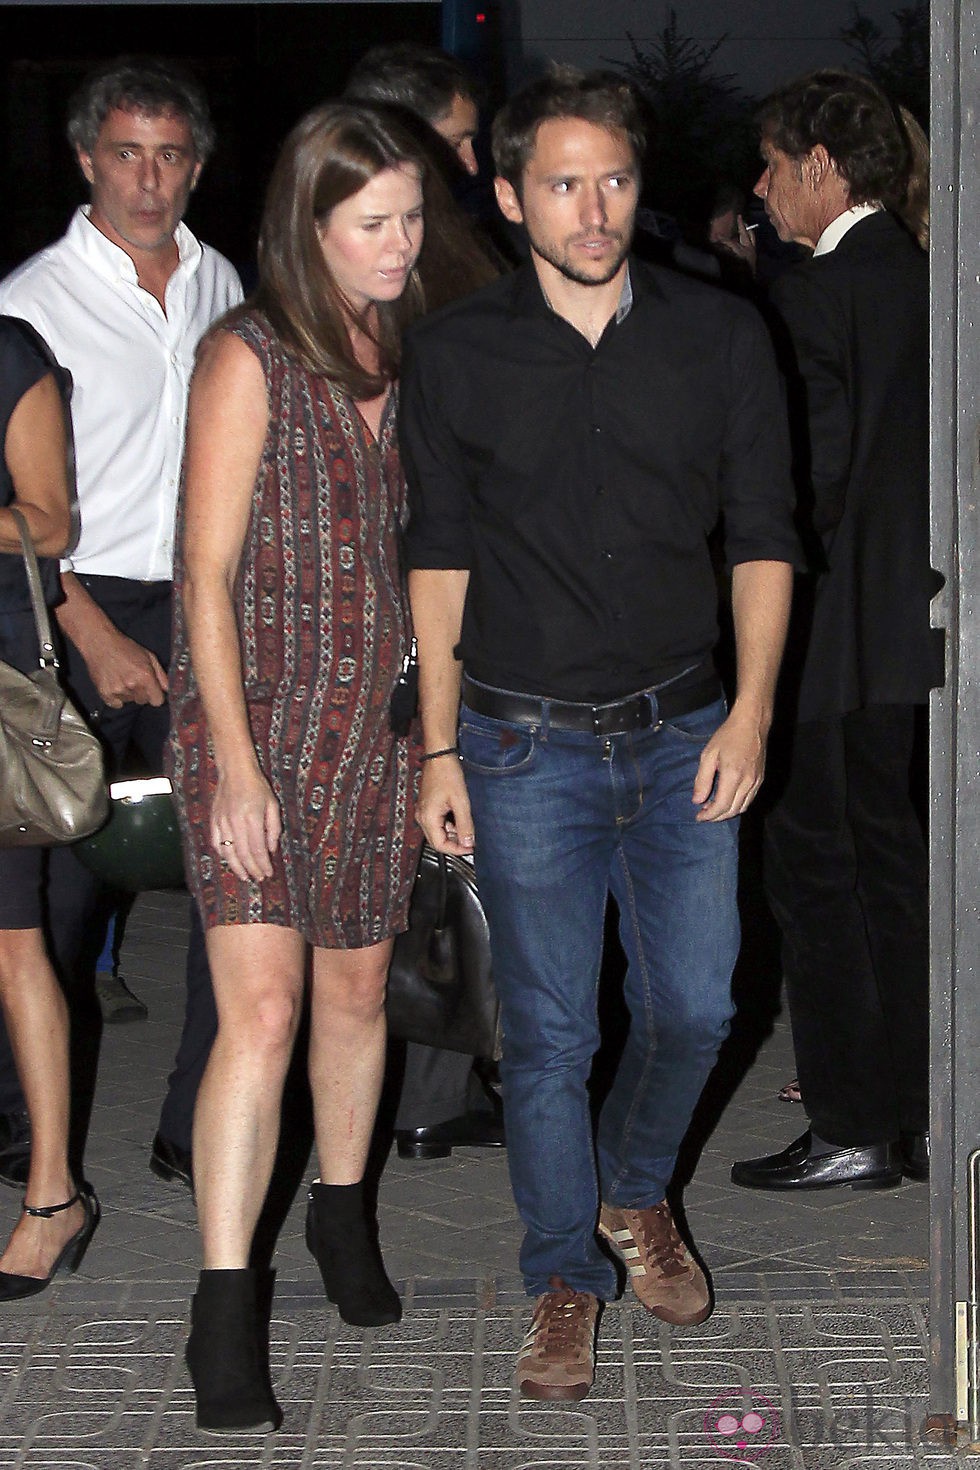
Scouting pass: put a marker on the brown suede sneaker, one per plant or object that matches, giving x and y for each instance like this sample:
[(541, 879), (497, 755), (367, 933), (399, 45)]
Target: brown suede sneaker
[(557, 1359), (664, 1275)]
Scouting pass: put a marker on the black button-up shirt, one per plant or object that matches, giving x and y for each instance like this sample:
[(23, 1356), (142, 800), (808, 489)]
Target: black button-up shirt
[(579, 486)]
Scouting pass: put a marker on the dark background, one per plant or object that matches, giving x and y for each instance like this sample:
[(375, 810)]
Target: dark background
[(262, 66)]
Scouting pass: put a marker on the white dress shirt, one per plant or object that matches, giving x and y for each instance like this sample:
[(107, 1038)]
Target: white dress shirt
[(838, 228), (131, 365)]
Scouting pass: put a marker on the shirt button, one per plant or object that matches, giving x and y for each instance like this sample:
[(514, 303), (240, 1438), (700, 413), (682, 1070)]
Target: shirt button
[(596, 429), (175, 419), (607, 556), (600, 489)]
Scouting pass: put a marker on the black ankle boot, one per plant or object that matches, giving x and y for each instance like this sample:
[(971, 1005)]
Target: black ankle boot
[(227, 1364), (344, 1244)]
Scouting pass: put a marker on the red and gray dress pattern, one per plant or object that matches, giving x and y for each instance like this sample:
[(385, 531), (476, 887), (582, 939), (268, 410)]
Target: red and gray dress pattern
[(323, 629)]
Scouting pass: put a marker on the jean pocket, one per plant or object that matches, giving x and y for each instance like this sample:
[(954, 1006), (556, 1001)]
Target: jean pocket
[(698, 725), (494, 747)]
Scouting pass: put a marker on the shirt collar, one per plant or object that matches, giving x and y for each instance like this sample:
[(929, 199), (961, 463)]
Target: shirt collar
[(109, 259), (625, 297), (838, 228), (530, 298)]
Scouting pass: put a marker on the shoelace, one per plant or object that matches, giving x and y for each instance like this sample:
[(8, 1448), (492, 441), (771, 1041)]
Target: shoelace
[(658, 1235), (562, 1322)]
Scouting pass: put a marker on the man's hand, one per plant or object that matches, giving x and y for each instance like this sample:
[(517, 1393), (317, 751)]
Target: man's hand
[(741, 244), (443, 810), (124, 672), (731, 769), (734, 760)]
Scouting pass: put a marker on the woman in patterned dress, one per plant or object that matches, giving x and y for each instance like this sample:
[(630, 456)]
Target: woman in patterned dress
[(295, 796)]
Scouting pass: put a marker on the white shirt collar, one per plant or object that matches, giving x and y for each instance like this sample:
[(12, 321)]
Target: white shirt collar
[(131, 365), (111, 261), (838, 228)]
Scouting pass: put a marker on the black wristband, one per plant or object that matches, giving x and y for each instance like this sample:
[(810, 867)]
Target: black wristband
[(435, 754)]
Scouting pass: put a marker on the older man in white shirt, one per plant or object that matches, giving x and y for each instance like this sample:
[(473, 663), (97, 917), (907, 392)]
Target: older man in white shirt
[(123, 298)]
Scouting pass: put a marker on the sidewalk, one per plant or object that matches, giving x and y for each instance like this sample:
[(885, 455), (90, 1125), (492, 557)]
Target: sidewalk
[(820, 1322)]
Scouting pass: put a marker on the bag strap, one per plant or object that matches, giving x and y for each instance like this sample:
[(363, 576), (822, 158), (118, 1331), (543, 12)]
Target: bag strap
[(48, 659), (443, 889)]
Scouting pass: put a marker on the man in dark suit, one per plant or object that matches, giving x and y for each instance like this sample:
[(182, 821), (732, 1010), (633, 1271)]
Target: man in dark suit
[(846, 866)]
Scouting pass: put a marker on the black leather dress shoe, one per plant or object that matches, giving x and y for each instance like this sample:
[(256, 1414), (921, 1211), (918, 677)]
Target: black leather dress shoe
[(915, 1155), (171, 1162), (15, 1149), (878, 1166), (471, 1130)]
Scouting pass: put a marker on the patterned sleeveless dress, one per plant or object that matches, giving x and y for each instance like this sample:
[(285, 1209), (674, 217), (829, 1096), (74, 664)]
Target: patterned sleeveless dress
[(322, 631)]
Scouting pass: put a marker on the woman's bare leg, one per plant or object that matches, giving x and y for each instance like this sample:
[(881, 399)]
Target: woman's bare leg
[(36, 1016), (257, 970), (347, 1055)]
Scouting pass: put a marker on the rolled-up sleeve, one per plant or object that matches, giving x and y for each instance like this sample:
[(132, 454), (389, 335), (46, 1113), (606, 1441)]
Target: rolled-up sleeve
[(757, 493), (438, 532)]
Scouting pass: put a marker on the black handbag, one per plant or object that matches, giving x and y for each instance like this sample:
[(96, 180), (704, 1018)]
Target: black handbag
[(440, 989)]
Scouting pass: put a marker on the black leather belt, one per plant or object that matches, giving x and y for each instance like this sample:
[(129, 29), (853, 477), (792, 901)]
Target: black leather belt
[(636, 712)]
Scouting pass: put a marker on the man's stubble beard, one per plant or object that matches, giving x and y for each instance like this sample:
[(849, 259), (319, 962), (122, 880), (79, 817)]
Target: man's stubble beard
[(560, 263)]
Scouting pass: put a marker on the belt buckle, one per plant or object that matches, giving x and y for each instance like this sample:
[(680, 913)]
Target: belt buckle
[(635, 713), (622, 726)]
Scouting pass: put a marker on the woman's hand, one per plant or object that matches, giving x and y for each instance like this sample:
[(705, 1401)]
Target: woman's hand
[(245, 825)]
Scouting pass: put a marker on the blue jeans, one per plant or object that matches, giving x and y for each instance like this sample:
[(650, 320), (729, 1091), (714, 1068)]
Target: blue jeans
[(562, 819)]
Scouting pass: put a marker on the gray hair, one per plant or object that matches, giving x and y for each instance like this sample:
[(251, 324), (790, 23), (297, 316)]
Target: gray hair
[(142, 84)]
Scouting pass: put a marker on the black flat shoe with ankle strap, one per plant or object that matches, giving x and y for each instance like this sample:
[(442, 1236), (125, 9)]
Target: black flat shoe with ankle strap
[(69, 1258)]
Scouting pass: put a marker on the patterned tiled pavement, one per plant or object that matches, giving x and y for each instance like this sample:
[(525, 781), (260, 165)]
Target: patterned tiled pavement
[(815, 1356)]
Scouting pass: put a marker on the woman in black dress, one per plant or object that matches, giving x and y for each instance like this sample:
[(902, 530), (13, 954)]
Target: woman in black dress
[(58, 1217)]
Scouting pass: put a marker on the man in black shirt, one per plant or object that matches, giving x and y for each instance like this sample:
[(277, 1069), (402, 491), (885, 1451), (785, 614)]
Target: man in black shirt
[(572, 434)]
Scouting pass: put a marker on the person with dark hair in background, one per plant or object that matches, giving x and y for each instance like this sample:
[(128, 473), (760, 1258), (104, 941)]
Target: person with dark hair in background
[(429, 84), (846, 864), (572, 434), (296, 797), (444, 1101), (123, 299)]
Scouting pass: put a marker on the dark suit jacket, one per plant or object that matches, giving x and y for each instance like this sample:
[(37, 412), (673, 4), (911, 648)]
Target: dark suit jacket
[(856, 347)]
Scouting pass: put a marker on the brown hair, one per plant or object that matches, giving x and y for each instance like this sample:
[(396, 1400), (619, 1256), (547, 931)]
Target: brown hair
[(914, 209), (853, 120), (328, 157), (454, 259), (599, 97)]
